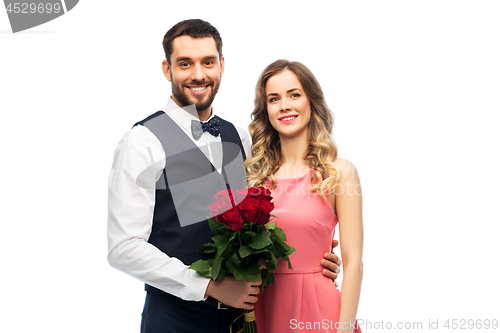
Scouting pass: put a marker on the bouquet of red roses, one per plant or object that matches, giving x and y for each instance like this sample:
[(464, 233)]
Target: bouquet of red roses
[(246, 243)]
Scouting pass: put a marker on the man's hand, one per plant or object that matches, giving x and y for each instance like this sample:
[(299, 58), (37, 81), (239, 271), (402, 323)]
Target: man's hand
[(332, 264), (238, 294)]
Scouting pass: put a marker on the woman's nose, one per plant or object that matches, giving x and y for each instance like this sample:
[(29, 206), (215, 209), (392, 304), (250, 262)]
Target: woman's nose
[(285, 105)]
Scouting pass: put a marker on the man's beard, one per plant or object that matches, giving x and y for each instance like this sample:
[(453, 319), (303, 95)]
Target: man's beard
[(181, 96)]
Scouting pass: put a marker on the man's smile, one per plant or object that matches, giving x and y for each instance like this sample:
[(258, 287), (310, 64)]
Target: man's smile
[(198, 90)]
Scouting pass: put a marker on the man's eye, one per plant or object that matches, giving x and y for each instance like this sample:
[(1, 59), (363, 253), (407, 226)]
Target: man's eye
[(209, 63), (184, 64)]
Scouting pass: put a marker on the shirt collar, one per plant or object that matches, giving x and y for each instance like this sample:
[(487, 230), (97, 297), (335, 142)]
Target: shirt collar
[(183, 116)]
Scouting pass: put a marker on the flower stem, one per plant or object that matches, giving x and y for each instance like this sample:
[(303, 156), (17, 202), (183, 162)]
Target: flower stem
[(250, 325)]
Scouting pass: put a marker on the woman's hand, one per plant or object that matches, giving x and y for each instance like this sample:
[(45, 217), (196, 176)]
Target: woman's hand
[(331, 263)]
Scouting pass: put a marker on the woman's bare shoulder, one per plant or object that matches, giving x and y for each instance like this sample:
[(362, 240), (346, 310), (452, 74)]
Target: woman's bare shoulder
[(345, 167)]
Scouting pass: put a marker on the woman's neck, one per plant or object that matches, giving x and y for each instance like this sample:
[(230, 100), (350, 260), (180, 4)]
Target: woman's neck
[(293, 152)]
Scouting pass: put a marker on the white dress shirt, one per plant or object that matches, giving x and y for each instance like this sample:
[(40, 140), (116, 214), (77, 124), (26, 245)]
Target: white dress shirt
[(131, 205)]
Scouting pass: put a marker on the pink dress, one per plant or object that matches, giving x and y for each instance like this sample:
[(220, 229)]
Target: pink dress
[(302, 299)]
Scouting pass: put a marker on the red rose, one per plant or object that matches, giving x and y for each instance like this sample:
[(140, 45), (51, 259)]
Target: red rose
[(224, 195), (266, 206), (240, 195), (250, 209), (261, 193), (219, 207), (265, 209), (232, 219), (263, 218), (253, 191)]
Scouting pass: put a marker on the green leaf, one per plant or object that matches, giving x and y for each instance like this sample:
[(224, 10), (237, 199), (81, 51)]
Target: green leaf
[(216, 266), (279, 250), (222, 246), (275, 260), (250, 233), (233, 260), (273, 263), (290, 250), (233, 235), (217, 239), (285, 258), (254, 269), (228, 252), (267, 277), (222, 273), (271, 266), (240, 273), (257, 251), (263, 274), (270, 277), (216, 227), (203, 267), (260, 241), (254, 273), (229, 266), (245, 251), (254, 278), (204, 249), (279, 233), (271, 225), (207, 248), (245, 238)]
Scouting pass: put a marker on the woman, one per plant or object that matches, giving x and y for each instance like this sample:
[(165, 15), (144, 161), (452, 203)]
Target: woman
[(294, 156)]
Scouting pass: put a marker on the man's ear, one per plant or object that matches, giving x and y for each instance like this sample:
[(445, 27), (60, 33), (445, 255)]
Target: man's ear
[(166, 70), (222, 66)]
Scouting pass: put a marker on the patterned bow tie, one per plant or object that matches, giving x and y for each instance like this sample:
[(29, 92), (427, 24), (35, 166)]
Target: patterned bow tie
[(212, 126)]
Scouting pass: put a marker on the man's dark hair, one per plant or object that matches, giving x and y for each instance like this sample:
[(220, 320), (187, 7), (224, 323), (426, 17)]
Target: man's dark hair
[(195, 28)]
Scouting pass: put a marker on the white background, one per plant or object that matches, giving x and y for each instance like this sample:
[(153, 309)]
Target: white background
[(414, 86)]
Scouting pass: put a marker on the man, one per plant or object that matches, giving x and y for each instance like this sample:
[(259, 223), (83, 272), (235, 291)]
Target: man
[(164, 170)]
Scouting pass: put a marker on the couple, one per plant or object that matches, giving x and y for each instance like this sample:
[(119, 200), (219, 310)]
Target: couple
[(153, 205)]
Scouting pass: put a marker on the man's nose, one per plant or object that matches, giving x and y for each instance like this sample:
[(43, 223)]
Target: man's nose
[(198, 73)]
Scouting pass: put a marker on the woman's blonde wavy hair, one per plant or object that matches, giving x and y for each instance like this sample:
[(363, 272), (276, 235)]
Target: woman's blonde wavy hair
[(265, 157)]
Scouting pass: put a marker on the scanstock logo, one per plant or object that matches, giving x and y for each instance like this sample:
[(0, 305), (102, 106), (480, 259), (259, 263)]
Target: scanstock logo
[(31, 13)]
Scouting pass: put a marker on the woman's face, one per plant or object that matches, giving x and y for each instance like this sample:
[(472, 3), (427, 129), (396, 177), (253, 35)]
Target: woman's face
[(288, 106)]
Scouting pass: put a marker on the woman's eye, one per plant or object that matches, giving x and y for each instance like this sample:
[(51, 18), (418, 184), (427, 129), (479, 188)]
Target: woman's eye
[(273, 99), (295, 95)]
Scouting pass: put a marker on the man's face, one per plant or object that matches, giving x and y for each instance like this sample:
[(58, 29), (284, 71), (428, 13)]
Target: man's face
[(194, 71)]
